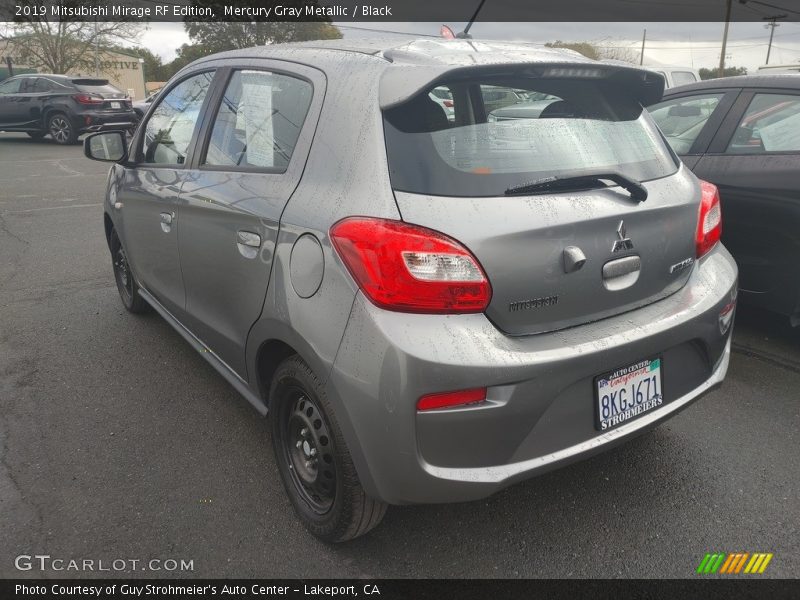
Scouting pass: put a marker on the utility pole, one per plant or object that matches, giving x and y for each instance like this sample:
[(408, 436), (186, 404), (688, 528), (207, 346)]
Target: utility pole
[(644, 38), (721, 72), (96, 51), (772, 25)]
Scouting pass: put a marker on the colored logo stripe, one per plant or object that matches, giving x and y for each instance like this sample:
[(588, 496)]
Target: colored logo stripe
[(733, 563)]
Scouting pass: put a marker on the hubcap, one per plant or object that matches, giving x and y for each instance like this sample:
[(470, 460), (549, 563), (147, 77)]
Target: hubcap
[(59, 129), (309, 453)]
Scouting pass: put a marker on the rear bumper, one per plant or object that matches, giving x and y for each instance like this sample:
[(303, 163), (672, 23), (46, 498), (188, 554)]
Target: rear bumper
[(87, 122), (539, 412)]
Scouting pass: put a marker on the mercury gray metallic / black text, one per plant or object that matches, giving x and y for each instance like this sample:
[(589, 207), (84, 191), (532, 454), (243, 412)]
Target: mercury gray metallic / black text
[(431, 306)]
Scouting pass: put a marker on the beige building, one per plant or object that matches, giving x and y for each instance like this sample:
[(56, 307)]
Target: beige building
[(121, 69)]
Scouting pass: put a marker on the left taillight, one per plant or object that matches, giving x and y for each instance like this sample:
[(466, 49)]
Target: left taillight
[(709, 222), (408, 268)]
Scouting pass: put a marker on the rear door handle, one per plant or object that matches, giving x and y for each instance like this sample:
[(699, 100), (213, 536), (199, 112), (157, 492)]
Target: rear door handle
[(166, 221), (248, 243)]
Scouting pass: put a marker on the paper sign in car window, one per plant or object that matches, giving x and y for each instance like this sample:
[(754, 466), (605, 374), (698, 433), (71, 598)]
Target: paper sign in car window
[(783, 135), (257, 110)]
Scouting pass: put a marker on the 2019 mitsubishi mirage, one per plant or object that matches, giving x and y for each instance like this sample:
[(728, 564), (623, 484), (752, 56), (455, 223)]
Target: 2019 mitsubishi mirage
[(430, 310)]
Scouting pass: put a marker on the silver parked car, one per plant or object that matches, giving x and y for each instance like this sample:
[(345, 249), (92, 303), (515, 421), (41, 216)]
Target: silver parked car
[(429, 310)]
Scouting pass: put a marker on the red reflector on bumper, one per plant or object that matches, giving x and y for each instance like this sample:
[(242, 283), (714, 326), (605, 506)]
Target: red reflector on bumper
[(450, 399)]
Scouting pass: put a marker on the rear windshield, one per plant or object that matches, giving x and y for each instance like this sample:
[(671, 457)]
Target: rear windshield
[(501, 133), (95, 86)]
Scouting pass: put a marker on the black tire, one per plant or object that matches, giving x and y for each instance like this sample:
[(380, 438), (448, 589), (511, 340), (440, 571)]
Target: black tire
[(61, 129), (36, 135), (342, 511), (126, 283)]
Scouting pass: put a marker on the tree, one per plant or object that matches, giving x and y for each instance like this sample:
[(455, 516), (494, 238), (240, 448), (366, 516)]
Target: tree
[(187, 53), (218, 37), (729, 72), (242, 32), (60, 46), (153, 67), (604, 49), (588, 49)]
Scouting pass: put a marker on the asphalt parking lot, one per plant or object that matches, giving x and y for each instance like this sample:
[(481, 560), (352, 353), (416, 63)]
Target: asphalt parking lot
[(120, 442)]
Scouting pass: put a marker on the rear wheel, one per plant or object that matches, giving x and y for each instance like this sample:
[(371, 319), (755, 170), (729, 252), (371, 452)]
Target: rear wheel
[(315, 466), (126, 284), (61, 130)]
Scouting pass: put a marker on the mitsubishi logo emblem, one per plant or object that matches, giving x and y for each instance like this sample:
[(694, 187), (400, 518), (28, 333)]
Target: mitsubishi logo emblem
[(624, 242)]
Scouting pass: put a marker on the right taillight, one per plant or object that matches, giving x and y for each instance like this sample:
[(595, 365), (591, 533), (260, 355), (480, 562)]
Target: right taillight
[(709, 222), (409, 268)]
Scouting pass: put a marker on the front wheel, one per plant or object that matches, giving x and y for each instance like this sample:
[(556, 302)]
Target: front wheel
[(314, 463), (61, 130)]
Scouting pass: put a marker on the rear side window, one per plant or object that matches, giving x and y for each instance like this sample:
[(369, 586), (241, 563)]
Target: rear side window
[(512, 132), (28, 85), (682, 119), (259, 121), (171, 125), (770, 124)]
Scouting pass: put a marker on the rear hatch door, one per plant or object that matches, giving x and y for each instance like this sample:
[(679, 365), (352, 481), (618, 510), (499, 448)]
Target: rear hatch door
[(554, 258)]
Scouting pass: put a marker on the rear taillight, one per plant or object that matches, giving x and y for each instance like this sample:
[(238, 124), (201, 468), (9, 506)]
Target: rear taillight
[(87, 99), (709, 222), (409, 268), (451, 399)]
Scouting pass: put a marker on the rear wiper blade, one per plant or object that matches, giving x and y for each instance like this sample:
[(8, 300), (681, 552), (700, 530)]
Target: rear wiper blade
[(581, 182)]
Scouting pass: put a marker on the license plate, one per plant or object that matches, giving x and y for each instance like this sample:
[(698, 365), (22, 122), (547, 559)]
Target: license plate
[(627, 393), (116, 105)]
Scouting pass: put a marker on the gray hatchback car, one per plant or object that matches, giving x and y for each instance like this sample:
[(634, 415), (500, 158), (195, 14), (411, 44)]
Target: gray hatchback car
[(430, 310)]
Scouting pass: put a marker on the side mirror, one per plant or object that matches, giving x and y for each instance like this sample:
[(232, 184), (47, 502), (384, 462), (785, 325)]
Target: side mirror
[(106, 146)]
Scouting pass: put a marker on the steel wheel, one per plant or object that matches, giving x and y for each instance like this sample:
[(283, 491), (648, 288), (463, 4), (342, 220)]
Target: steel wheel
[(60, 129), (308, 452), (122, 274)]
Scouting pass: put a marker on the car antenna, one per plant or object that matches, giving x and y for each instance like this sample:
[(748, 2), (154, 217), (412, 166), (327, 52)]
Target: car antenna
[(448, 34)]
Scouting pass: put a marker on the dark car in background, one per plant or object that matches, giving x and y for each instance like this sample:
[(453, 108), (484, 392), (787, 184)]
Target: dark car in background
[(743, 135), (63, 107), (140, 107)]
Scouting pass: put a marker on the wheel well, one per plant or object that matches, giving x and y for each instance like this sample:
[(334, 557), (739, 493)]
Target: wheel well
[(108, 226), (48, 113), (270, 355)]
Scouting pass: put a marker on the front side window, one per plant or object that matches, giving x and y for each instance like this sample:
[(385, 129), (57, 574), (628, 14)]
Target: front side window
[(10, 87), (527, 129), (259, 121), (682, 119), (172, 123), (770, 124)]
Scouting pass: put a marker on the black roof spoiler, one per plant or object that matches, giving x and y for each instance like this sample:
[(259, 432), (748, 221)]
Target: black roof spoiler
[(400, 83)]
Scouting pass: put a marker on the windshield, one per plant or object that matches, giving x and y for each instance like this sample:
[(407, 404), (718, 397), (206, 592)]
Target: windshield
[(506, 133)]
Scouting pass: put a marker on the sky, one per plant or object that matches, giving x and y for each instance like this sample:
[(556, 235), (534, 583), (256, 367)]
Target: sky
[(686, 44)]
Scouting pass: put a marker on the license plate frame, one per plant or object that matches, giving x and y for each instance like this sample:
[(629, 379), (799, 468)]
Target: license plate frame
[(655, 401), (115, 104)]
